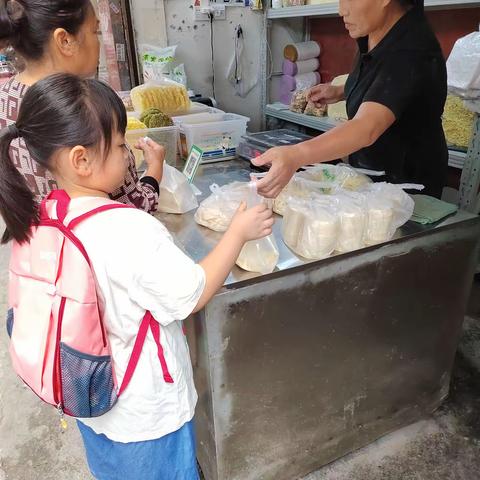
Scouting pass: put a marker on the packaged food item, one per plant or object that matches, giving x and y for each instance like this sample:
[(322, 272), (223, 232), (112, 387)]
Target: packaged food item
[(310, 227), (168, 96), (176, 194), (299, 188), (160, 62), (312, 109), (258, 255), (388, 208), (379, 222), (352, 218), (338, 176), (217, 210), (299, 101), (338, 111), (457, 122), (154, 118)]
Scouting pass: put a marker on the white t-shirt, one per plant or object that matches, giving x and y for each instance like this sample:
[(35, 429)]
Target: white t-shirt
[(139, 268)]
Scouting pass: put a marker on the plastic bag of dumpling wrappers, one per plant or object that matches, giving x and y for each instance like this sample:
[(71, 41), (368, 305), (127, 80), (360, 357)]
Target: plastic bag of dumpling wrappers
[(336, 176), (168, 96), (217, 210), (463, 65), (311, 226), (352, 218), (299, 188), (258, 255), (176, 194), (388, 208), (322, 178)]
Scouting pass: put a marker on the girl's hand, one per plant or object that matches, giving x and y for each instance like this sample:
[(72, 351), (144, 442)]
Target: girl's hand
[(154, 155), (253, 223)]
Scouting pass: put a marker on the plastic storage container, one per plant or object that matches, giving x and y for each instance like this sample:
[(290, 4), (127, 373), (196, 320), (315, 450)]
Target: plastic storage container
[(210, 114), (219, 140), (166, 136), (249, 151), (277, 138)]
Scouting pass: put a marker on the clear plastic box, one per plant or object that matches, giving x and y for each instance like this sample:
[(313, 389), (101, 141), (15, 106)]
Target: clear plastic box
[(219, 140), (166, 136)]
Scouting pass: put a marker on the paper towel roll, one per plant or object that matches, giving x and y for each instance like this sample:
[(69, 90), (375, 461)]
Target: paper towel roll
[(303, 66), (301, 51), (300, 82)]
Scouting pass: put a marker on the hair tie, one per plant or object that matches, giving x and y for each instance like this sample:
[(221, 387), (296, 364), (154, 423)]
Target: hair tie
[(13, 129)]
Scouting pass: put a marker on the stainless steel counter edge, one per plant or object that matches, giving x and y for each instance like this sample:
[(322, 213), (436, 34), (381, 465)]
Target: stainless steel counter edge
[(197, 241)]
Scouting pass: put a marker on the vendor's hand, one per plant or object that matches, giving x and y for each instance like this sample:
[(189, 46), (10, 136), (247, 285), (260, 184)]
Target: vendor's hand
[(154, 155), (253, 223), (284, 163), (325, 94)]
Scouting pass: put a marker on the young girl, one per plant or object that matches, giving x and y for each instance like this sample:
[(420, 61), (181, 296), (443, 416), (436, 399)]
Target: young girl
[(60, 36), (75, 128)]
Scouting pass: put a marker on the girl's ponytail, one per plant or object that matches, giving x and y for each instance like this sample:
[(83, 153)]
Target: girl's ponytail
[(17, 204)]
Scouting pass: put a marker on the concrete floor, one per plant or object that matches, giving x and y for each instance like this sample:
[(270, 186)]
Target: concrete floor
[(445, 446)]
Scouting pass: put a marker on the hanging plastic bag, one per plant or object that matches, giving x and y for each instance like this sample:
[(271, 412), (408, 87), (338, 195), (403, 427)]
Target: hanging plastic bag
[(310, 226), (258, 255), (156, 61), (217, 210), (176, 194), (463, 64)]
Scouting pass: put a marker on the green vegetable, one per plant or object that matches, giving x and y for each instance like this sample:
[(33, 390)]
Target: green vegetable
[(154, 118)]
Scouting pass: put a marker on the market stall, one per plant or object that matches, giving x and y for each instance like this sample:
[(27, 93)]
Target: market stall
[(301, 366)]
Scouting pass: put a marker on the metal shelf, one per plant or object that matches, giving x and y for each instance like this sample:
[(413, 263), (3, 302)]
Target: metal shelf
[(323, 124), (324, 10), (331, 9)]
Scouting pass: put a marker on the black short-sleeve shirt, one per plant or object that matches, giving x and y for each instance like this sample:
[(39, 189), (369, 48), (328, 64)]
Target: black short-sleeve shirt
[(406, 72)]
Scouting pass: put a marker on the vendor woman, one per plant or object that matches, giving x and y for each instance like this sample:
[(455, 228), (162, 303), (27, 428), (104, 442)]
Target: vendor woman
[(395, 98)]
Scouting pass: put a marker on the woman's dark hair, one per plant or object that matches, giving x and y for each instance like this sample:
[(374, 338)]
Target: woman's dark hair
[(57, 112), (26, 25)]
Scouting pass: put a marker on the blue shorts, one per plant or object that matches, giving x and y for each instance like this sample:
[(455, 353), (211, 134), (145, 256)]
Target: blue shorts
[(171, 457)]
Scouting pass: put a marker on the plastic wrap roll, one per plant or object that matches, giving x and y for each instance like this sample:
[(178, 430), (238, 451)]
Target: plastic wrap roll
[(300, 82), (303, 66), (301, 51), (307, 80)]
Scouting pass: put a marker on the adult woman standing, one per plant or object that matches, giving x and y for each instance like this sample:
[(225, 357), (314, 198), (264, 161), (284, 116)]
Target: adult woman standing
[(395, 98), (53, 37)]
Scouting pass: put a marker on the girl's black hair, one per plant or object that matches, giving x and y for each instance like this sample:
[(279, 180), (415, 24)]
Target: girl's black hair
[(59, 111), (26, 25)]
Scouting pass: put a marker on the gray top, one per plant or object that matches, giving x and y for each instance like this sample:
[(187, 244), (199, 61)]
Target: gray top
[(197, 241)]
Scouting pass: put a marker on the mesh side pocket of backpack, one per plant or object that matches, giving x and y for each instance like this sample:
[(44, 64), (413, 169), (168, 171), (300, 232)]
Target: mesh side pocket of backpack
[(10, 321), (87, 383)]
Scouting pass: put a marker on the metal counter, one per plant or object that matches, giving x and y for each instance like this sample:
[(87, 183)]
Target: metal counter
[(299, 367)]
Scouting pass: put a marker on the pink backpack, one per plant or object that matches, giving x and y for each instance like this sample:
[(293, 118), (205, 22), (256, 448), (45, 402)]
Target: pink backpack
[(59, 346)]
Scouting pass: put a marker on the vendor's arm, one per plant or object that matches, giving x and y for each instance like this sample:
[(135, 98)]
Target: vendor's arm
[(363, 130), (394, 89)]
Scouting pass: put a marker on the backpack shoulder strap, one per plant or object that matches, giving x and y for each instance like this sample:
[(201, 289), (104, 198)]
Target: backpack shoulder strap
[(88, 209)]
